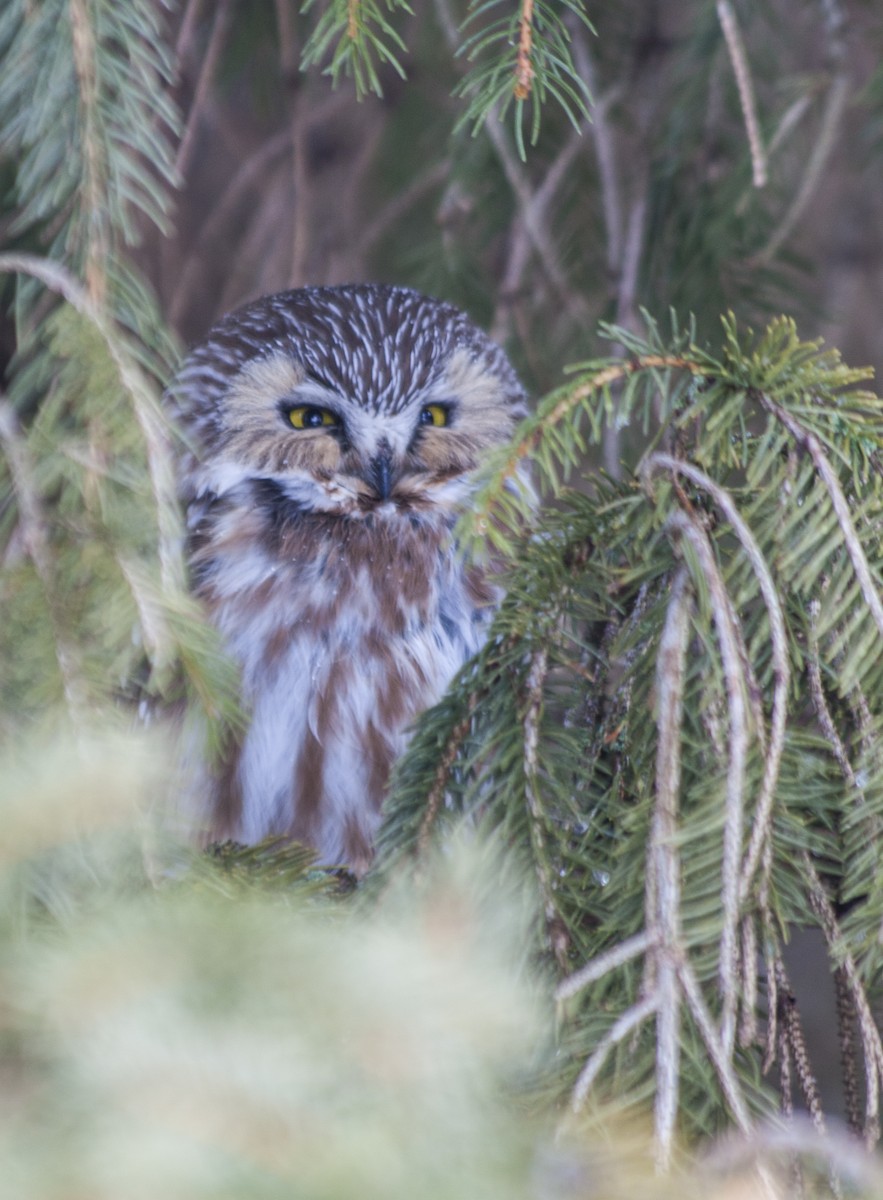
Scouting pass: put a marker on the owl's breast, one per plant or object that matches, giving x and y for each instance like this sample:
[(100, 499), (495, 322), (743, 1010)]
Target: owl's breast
[(345, 631), (389, 585)]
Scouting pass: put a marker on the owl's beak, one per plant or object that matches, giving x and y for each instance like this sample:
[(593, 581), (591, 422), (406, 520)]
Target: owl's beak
[(380, 473)]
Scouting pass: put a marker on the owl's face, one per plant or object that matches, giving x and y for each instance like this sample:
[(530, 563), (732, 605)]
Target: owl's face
[(350, 400)]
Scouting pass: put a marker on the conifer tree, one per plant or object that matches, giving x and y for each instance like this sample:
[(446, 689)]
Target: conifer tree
[(676, 727)]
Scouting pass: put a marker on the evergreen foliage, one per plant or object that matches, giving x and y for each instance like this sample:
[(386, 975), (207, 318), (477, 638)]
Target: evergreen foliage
[(674, 732)]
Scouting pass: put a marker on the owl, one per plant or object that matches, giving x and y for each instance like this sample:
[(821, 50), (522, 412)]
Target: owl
[(333, 434)]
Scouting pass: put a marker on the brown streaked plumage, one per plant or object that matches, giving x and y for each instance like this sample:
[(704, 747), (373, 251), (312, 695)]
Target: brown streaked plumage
[(333, 435)]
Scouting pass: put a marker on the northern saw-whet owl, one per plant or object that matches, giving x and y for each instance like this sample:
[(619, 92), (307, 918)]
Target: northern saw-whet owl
[(332, 439)]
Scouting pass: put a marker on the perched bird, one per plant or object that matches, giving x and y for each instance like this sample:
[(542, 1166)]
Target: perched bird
[(332, 439)]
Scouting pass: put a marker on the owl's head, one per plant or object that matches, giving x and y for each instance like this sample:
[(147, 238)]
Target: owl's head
[(348, 400)]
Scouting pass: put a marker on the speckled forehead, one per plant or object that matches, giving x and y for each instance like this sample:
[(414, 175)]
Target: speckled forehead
[(378, 366)]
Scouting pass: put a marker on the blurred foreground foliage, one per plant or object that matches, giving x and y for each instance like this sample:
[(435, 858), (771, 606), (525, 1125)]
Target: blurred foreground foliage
[(161, 1036)]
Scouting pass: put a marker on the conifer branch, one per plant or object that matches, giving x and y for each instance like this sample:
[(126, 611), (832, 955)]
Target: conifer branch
[(809, 442), (34, 530), (721, 1062), (631, 1020), (791, 1030), (144, 405), (524, 69), (872, 1043), (436, 794), (760, 831), (603, 964), (664, 885), (731, 660), (536, 678)]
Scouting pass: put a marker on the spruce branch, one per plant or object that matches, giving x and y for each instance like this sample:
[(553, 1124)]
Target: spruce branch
[(721, 1061), (663, 867), (522, 57), (34, 530), (732, 659), (810, 442), (872, 1044), (628, 1023), (145, 405), (436, 795), (603, 964), (760, 831), (358, 38)]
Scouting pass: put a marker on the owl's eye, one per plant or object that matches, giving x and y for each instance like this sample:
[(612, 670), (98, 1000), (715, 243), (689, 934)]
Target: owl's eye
[(434, 414), (308, 416)]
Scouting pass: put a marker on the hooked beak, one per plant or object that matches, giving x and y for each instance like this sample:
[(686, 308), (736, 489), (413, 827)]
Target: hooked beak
[(380, 473)]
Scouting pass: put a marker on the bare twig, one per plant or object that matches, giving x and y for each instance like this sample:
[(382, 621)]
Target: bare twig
[(536, 678), (721, 1063), (741, 70), (254, 168), (760, 832), (748, 1025), (724, 621), (664, 904), (602, 965), (831, 118), (792, 1030), (223, 16), (630, 1020), (846, 1041)]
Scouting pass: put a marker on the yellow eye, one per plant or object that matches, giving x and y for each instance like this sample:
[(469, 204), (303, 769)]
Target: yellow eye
[(308, 416), (434, 414)]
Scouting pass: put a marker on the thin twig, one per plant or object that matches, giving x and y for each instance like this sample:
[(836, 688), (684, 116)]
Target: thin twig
[(689, 528), (435, 797), (404, 199), (665, 905), (223, 15), (536, 678), (630, 1020), (872, 1045), (602, 964), (792, 1030), (605, 148), (761, 827), (748, 1025), (741, 70), (825, 143), (524, 68), (846, 1041), (721, 1063)]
